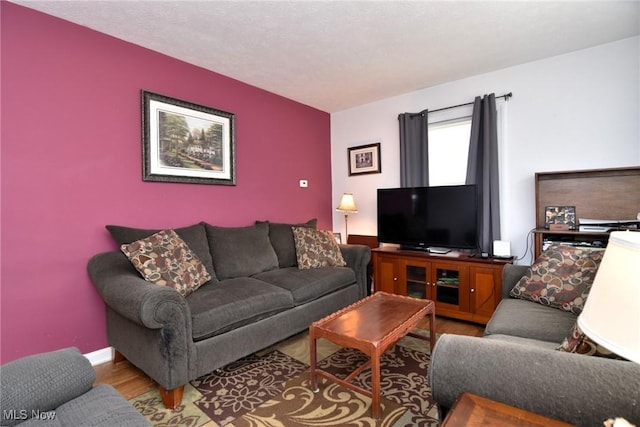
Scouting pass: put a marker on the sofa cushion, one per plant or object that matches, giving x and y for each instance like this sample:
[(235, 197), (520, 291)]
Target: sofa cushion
[(194, 236), (241, 251), (165, 259), (281, 238), (309, 284), (231, 303), (561, 277), (526, 319), (316, 248), (578, 342)]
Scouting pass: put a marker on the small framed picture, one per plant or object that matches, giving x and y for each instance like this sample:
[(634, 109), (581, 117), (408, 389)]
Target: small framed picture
[(338, 237), (364, 159), (560, 217)]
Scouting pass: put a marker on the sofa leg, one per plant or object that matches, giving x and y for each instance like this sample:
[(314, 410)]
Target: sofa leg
[(118, 357), (171, 398)]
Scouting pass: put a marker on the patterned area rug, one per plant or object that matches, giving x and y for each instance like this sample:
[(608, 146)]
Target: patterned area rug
[(272, 388), (244, 385)]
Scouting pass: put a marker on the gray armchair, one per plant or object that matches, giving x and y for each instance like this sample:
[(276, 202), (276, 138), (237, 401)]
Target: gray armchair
[(56, 389), (516, 363)]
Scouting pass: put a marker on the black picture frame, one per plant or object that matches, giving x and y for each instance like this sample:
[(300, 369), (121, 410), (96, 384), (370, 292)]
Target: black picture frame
[(560, 217), (186, 142), (364, 159)]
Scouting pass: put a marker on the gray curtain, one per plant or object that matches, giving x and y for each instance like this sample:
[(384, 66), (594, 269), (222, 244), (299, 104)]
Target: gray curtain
[(414, 149), (482, 169)]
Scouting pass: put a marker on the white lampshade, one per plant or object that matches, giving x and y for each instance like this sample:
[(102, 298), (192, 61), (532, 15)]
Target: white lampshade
[(611, 315), (347, 204)]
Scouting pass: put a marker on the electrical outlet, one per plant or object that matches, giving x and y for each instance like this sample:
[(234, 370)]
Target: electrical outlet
[(304, 183)]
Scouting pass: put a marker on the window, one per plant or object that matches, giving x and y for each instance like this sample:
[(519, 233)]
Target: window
[(449, 151)]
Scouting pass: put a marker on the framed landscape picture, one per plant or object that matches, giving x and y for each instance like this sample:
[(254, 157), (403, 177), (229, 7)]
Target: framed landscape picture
[(186, 142), (364, 159)]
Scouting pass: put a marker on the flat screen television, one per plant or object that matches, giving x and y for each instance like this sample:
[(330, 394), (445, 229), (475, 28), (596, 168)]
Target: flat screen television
[(429, 218)]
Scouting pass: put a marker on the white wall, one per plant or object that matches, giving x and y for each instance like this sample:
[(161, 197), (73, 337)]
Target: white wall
[(575, 111)]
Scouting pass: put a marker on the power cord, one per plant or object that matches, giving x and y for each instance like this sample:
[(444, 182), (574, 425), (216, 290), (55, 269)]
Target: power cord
[(529, 246)]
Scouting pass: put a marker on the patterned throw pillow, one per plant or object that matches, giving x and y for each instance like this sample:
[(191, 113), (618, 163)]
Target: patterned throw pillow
[(316, 248), (579, 342), (561, 277), (165, 259), (195, 236)]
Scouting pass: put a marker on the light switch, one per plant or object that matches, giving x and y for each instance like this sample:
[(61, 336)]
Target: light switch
[(304, 183)]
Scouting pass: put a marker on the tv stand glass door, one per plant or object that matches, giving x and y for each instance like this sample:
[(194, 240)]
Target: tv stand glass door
[(447, 284), (417, 284), (441, 282)]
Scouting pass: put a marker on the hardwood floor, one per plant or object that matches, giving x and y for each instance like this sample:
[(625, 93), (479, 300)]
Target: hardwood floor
[(131, 382), (124, 377), (456, 327)]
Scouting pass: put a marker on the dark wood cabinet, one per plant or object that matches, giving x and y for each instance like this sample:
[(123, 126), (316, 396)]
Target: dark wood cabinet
[(463, 287), (603, 194)]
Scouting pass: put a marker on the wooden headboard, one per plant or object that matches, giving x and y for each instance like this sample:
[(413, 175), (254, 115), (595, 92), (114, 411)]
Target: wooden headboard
[(596, 193)]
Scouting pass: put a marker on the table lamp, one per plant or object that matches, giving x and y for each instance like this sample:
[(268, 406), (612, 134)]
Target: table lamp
[(347, 205), (611, 314)]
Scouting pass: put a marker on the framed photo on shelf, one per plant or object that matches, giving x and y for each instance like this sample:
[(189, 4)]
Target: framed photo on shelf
[(338, 237), (186, 142), (364, 159), (560, 217)]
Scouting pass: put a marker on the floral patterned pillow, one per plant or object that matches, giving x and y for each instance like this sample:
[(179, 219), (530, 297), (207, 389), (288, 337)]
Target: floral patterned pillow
[(561, 277), (165, 259), (316, 248), (579, 342)]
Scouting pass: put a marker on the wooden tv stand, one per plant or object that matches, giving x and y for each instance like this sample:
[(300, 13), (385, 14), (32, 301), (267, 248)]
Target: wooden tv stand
[(463, 287)]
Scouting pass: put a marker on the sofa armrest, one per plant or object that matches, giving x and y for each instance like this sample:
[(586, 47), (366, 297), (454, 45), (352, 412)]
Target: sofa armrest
[(127, 293), (42, 382), (578, 389), (510, 276), (357, 258)]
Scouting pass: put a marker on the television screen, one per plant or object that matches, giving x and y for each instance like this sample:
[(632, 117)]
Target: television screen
[(423, 217)]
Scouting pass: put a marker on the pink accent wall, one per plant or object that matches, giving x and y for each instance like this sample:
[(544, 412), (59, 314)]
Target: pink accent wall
[(71, 163)]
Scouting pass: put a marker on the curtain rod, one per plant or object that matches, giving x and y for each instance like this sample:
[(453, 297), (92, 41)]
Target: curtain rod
[(506, 97)]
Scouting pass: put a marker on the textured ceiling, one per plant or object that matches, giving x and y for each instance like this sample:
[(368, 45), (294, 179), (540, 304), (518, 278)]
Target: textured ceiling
[(333, 55)]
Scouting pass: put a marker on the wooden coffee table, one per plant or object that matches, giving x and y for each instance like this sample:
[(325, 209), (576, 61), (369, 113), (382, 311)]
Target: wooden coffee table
[(371, 325)]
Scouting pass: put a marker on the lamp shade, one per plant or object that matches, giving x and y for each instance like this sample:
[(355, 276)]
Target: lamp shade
[(347, 204), (611, 314)]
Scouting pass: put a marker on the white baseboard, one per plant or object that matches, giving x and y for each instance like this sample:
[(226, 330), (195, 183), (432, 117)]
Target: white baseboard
[(99, 357)]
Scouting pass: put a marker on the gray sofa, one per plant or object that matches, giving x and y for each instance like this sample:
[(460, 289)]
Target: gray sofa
[(257, 297), (56, 389), (516, 363)]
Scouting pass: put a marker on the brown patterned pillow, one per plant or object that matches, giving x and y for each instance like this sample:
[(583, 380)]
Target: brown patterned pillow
[(561, 277), (579, 342), (316, 248), (165, 259)]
